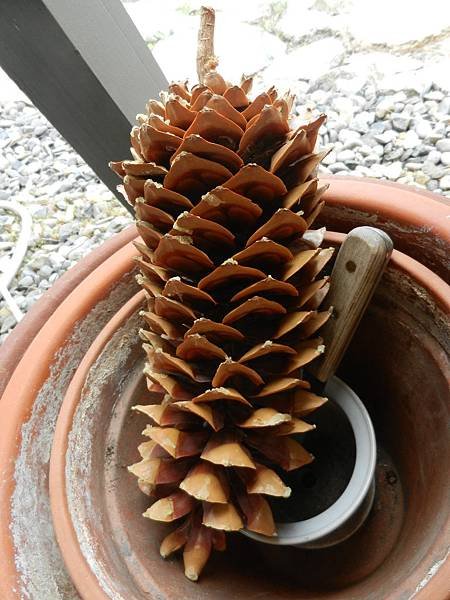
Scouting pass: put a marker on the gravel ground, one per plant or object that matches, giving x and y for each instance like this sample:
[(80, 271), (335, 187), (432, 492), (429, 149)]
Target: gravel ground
[(393, 123), (72, 211)]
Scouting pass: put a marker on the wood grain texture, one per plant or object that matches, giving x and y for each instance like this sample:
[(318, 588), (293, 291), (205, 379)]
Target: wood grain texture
[(205, 43), (359, 265)]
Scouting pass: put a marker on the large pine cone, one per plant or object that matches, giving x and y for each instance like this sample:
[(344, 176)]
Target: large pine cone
[(224, 192)]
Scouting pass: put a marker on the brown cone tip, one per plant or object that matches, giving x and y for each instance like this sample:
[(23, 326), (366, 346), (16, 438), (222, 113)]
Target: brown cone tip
[(265, 481), (206, 482), (224, 449), (225, 193), (174, 541), (171, 507), (197, 550), (224, 517)]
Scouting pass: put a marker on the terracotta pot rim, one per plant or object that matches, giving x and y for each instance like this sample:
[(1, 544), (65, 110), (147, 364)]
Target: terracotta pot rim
[(82, 576), (71, 551), (393, 184), (399, 203), (428, 280), (29, 376)]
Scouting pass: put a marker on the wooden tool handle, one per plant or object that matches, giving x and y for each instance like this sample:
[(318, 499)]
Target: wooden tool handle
[(359, 265)]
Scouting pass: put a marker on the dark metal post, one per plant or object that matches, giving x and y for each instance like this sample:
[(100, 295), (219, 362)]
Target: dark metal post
[(85, 67)]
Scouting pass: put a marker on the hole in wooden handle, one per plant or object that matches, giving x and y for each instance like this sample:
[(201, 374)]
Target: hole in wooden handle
[(350, 266)]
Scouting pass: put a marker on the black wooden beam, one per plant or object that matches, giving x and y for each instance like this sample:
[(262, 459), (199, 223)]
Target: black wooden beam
[(89, 73)]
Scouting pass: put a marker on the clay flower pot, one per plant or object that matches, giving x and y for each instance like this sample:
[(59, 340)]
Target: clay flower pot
[(410, 312), (37, 362), (112, 552), (416, 220)]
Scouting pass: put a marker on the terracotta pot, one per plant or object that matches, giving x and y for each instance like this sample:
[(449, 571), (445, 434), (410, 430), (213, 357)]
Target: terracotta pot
[(397, 364), (416, 220), (37, 363)]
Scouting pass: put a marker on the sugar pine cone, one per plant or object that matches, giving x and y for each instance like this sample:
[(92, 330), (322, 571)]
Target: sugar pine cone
[(224, 192)]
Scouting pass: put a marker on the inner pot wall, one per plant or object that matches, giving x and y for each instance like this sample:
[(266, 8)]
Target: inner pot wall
[(416, 220), (63, 327), (409, 407)]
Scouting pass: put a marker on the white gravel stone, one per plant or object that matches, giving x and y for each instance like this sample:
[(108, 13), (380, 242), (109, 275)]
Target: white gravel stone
[(349, 138), (434, 156), (400, 122), (7, 324), (377, 170), (56, 260), (45, 271), (343, 106), (394, 170), (365, 150), (443, 145), (445, 158), (386, 137), (434, 171), (423, 129), (338, 166), (410, 140), (31, 168), (413, 166), (346, 156), (432, 185), (384, 107), (40, 129), (445, 182), (434, 95), (26, 281), (444, 106), (372, 159), (421, 178)]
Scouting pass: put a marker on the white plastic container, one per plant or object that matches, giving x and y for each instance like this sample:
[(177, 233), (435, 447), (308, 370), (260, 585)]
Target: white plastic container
[(346, 515)]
